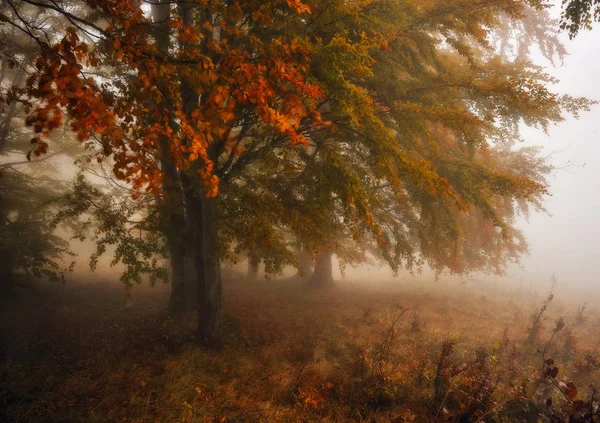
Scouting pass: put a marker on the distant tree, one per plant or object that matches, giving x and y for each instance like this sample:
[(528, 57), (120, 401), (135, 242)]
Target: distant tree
[(28, 242), (29, 190)]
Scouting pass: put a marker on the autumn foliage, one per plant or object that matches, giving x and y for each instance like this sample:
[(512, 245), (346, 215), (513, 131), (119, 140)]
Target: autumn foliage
[(368, 129), (204, 133)]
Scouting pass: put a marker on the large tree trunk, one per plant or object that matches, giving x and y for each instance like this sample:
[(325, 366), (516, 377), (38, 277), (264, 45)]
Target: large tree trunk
[(191, 274), (322, 276), (208, 267), (253, 263), (202, 213), (173, 213), (305, 266), (173, 218), (177, 301), (191, 278), (210, 313)]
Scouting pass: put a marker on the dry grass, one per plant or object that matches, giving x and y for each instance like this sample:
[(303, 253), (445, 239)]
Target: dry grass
[(78, 354)]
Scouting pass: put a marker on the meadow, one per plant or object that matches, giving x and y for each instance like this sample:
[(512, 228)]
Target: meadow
[(407, 352)]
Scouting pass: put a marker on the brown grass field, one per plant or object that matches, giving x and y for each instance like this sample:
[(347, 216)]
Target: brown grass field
[(410, 353)]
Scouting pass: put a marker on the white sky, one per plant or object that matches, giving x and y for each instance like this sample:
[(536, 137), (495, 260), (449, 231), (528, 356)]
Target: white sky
[(568, 242)]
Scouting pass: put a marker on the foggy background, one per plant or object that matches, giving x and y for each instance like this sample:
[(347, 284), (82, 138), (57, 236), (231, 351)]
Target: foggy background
[(567, 241)]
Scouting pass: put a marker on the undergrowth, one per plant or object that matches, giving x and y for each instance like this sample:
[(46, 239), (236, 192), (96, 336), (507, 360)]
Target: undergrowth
[(91, 354)]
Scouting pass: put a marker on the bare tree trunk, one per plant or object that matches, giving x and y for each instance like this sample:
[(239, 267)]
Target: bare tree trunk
[(322, 276), (174, 222), (208, 266), (173, 213), (305, 266), (210, 313), (204, 224), (202, 215), (177, 300), (5, 126), (253, 263), (191, 275)]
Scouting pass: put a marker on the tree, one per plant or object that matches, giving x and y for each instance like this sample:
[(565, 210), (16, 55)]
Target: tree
[(578, 15), (394, 107), (416, 160), (29, 243), (173, 207), (421, 156), (241, 85)]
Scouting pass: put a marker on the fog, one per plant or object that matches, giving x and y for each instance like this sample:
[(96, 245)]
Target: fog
[(567, 240)]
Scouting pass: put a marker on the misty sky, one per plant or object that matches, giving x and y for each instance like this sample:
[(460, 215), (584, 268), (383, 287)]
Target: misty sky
[(568, 242)]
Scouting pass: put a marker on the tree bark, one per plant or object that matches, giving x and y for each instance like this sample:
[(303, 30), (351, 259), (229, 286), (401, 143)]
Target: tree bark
[(322, 276), (191, 275), (305, 266), (173, 213), (210, 313), (202, 213), (174, 220), (253, 263), (177, 300), (5, 127), (208, 267)]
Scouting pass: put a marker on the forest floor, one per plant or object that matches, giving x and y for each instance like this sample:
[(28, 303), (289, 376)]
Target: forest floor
[(87, 353)]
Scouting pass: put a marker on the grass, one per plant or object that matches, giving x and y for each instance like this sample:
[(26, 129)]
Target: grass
[(79, 354)]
